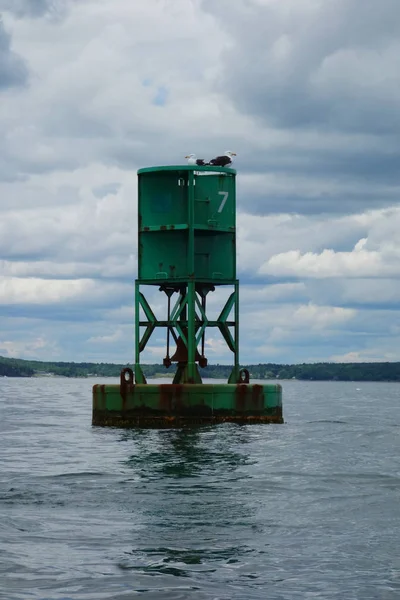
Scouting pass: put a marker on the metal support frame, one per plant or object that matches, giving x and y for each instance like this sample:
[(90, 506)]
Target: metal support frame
[(188, 321)]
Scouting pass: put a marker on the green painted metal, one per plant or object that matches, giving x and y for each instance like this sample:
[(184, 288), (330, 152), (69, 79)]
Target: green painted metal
[(188, 322), (187, 247), (185, 168), (129, 405), (187, 224)]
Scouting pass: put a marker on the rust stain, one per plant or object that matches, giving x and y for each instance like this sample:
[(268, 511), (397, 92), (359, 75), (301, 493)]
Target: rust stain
[(163, 227), (171, 397), (241, 396), (257, 397), (178, 389), (124, 395), (103, 396), (146, 228), (165, 397)]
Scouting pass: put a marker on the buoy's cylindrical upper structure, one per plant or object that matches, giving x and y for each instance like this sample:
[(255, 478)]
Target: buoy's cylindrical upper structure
[(187, 224)]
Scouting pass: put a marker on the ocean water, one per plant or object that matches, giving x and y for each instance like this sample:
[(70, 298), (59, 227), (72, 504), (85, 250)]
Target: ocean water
[(309, 509)]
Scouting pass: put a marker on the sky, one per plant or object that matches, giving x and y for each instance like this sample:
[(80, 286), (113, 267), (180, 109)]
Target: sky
[(306, 92)]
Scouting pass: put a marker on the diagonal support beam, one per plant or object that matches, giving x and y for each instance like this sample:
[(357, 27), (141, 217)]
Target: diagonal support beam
[(180, 331), (201, 309), (227, 336), (146, 309), (151, 322), (222, 322), (146, 336), (227, 308), (200, 333), (178, 308)]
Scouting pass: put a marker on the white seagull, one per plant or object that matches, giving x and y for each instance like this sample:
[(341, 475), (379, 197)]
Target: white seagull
[(192, 160)]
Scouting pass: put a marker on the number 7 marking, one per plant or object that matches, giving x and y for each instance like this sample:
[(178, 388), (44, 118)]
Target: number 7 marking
[(225, 198)]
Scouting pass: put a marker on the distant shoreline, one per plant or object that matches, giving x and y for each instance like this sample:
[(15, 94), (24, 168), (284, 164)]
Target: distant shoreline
[(373, 371)]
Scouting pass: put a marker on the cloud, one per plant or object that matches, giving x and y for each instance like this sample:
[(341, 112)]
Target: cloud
[(364, 357), (33, 349), (306, 93), (32, 8), (112, 338), (13, 71), (37, 291), (374, 256), (325, 95), (216, 348), (299, 63), (328, 264)]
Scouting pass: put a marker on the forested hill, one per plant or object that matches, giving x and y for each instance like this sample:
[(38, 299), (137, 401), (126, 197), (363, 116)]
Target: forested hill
[(12, 367)]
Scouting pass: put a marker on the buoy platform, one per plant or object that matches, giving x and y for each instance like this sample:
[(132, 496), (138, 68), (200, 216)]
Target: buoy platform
[(180, 405)]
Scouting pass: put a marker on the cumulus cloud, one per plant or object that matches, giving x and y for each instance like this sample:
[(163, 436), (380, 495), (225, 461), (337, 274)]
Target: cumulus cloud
[(33, 348), (374, 256), (301, 63), (305, 92), (321, 80), (33, 296), (328, 264), (37, 291)]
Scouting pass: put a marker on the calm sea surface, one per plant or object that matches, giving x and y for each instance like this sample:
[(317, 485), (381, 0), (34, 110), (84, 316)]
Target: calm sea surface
[(309, 509)]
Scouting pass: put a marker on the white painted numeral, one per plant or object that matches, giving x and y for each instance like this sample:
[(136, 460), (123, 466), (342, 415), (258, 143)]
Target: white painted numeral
[(224, 199)]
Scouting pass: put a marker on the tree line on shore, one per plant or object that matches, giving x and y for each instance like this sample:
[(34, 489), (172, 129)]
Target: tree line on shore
[(377, 371)]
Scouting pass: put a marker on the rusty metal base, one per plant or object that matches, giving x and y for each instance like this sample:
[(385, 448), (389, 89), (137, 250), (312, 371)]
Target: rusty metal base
[(174, 405)]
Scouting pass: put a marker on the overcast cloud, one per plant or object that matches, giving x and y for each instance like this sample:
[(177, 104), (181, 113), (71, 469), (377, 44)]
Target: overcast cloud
[(308, 95)]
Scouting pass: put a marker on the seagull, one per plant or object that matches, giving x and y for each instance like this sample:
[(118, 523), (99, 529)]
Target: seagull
[(192, 160), (223, 161)]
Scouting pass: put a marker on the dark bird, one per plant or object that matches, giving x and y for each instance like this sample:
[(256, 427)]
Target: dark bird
[(192, 160), (223, 161)]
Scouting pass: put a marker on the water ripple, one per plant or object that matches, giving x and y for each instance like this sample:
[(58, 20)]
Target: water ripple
[(304, 510)]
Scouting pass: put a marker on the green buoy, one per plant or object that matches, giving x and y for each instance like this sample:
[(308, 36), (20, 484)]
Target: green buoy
[(187, 248)]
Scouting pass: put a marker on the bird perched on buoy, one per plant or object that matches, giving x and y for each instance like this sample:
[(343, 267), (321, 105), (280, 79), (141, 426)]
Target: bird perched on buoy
[(223, 161), (192, 160)]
